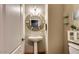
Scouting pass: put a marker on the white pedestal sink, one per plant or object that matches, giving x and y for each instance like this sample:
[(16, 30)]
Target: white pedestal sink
[(35, 39)]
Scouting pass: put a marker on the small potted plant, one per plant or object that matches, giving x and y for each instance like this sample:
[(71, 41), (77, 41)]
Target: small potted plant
[(73, 27)]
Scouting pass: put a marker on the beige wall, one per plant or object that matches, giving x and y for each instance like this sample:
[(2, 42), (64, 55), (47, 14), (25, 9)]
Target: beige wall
[(55, 29)]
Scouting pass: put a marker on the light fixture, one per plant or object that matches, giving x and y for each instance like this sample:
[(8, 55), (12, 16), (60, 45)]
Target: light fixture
[(35, 11)]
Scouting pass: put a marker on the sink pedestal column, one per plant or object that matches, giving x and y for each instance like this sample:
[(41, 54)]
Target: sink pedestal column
[(35, 48), (35, 39)]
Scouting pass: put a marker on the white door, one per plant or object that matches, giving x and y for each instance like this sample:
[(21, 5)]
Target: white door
[(10, 27), (1, 30)]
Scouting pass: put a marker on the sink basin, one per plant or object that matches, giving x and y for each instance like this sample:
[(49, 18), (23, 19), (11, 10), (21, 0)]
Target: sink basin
[(35, 38)]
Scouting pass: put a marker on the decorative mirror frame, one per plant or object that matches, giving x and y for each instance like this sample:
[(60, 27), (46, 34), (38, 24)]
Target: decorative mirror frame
[(28, 22)]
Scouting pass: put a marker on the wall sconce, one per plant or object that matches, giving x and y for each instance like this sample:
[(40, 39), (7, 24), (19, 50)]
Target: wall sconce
[(35, 11)]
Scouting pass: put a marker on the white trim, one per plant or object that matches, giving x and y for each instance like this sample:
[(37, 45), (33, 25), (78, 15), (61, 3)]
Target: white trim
[(46, 33), (23, 7)]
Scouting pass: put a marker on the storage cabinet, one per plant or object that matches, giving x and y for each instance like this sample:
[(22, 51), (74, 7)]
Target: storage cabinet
[(73, 35), (73, 48)]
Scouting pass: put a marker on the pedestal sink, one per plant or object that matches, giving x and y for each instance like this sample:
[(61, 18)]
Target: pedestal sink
[(35, 39)]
